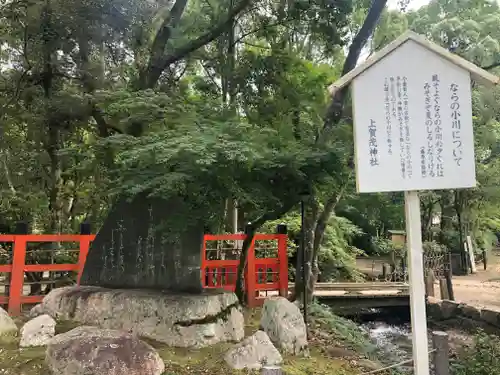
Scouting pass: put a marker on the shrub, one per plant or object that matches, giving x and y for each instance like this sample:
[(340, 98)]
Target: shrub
[(483, 358)]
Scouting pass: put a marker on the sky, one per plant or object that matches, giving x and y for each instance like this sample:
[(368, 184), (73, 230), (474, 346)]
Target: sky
[(414, 4)]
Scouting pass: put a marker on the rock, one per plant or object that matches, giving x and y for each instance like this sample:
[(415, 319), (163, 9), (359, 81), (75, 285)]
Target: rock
[(491, 317), (253, 353), (37, 310), (434, 308), (93, 351), (470, 312), (182, 320), (38, 331), (449, 309), (284, 324), (7, 325)]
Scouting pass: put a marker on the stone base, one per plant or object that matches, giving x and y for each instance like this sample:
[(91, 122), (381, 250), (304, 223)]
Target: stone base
[(174, 319), (441, 310)]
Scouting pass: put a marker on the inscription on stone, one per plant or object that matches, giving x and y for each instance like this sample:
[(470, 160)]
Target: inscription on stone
[(141, 245)]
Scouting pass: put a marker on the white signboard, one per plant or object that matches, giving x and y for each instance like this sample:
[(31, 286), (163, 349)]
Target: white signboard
[(413, 123)]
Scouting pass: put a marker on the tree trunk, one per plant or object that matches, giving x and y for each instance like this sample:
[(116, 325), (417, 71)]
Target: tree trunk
[(427, 208), (316, 235), (458, 205), (446, 215), (53, 148), (307, 243), (333, 116), (228, 55), (53, 140)]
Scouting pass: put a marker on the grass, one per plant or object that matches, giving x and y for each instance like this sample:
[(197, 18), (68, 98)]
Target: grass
[(178, 361)]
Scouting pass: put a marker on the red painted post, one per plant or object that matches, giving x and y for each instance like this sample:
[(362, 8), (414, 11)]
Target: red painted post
[(283, 260), (250, 274), (17, 275), (204, 271), (218, 277)]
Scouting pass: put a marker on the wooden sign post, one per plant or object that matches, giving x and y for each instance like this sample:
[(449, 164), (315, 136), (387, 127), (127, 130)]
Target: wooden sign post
[(413, 131)]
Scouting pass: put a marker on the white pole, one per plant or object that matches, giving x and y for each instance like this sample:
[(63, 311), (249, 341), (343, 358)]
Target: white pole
[(471, 255), (417, 286)]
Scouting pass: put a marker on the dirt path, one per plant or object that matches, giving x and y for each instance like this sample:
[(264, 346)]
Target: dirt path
[(481, 289)]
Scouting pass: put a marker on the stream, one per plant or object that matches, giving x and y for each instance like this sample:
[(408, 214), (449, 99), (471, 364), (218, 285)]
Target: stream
[(394, 340), (391, 338), (390, 331)]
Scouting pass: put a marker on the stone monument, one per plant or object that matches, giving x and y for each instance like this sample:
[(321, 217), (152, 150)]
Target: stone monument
[(148, 243), (142, 275)]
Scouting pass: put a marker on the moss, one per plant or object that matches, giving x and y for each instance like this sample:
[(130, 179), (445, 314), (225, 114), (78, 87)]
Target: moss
[(14, 361), (317, 364), (8, 335)]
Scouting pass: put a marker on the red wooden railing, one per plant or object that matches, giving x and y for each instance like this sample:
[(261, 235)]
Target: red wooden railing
[(263, 274), (269, 273), (18, 266)]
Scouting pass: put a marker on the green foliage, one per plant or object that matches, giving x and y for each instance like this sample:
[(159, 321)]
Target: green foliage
[(337, 257), (382, 246), (483, 358), (433, 247), (375, 214), (292, 221), (485, 240), (230, 157)]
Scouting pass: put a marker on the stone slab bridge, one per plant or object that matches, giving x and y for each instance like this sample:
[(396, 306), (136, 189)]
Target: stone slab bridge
[(362, 295)]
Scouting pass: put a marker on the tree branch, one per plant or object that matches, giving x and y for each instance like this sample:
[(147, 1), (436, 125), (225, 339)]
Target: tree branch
[(10, 183), (265, 27), (192, 46), (102, 125), (336, 107), (154, 69)]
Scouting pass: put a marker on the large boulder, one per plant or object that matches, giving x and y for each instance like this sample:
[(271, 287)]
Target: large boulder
[(434, 308), (491, 317), (148, 243), (175, 319), (470, 312), (283, 322), (38, 331), (450, 309), (94, 351), (253, 353), (7, 325)]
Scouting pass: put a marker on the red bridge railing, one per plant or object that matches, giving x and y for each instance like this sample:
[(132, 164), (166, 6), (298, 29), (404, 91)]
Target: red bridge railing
[(23, 266), (266, 269), (14, 274)]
